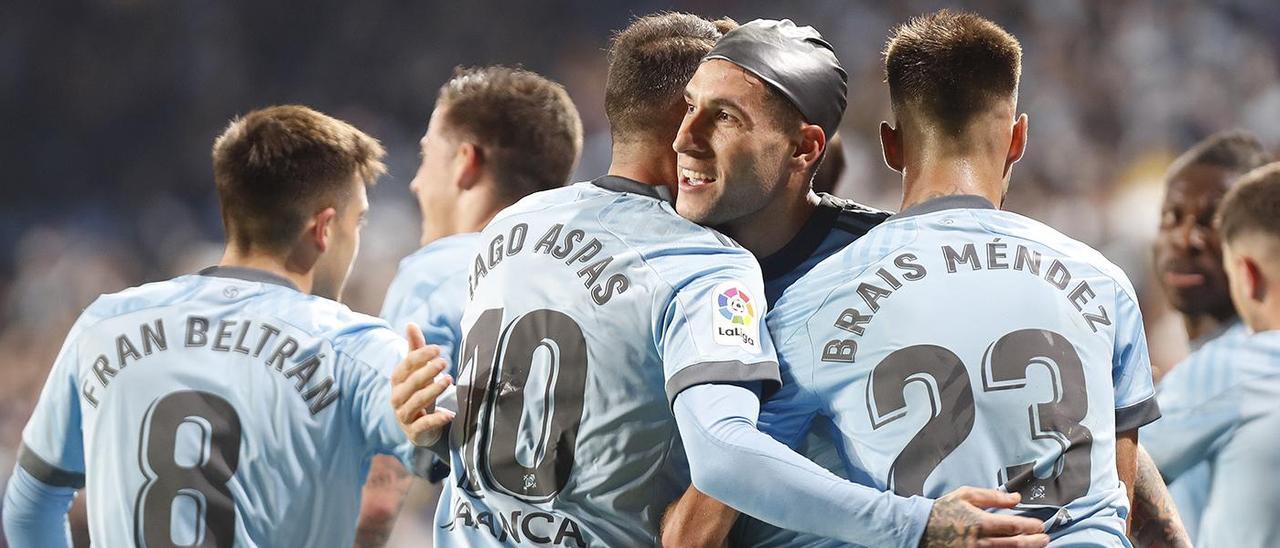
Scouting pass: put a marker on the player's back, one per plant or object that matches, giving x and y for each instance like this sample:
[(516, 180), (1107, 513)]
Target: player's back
[(430, 290), (221, 409), (574, 340), (959, 345), (1220, 419)]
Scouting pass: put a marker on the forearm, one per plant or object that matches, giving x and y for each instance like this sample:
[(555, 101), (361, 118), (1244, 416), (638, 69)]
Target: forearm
[(35, 514), (697, 520), (717, 424), (1155, 518), (384, 494)]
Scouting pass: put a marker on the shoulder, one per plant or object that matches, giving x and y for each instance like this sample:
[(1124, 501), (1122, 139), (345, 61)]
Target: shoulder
[(1015, 225), (134, 299), (852, 216), (437, 262)]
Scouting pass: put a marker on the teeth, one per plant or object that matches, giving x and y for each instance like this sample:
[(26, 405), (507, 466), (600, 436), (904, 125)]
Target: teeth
[(696, 177)]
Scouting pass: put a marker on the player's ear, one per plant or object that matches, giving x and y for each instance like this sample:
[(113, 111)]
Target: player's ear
[(468, 165), (891, 144), (1254, 278), (1017, 144), (319, 231), (813, 141)]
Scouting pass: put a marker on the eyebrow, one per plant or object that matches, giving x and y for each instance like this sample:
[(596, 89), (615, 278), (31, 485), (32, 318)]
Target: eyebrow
[(721, 102)]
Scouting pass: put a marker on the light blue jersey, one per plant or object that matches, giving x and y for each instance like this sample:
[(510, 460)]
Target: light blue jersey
[(835, 224), (592, 307), (1221, 419), (959, 345), (430, 289), (1190, 491), (220, 409)]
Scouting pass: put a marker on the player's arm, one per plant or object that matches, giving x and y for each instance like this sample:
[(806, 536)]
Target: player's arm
[(35, 513), (717, 425), (696, 520), (1155, 519), (380, 503), (51, 460), (1127, 462)]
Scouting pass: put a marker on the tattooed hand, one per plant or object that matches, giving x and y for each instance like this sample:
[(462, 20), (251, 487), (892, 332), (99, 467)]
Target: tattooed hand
[(957, 519)]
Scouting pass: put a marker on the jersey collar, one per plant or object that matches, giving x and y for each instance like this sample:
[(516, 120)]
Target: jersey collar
[(623, 184), (805, 242), (247, 274), (955, 201)]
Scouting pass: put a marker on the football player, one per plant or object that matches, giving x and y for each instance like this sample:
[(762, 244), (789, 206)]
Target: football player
[(1219, 403), (240, 405), (497, 134), (1188, 261)]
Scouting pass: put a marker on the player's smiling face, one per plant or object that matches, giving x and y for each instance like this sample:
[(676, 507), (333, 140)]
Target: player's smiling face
[(732, 154), (1188, 253)]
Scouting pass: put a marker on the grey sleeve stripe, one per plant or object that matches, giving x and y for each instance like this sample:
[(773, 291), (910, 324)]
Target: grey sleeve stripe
[(47, 473), (732, 371), (1139, 414)]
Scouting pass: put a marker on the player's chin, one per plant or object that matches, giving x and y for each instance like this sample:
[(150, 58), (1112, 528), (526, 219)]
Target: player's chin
[(693, 208)]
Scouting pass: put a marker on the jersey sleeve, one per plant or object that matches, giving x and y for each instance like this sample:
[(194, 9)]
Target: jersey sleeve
[(52, 443), (711, 326), (1135, 400), (368, 380), (1195, 422)]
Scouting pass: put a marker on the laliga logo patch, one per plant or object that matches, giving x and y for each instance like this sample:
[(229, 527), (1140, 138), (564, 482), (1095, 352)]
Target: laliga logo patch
[(735, 317)]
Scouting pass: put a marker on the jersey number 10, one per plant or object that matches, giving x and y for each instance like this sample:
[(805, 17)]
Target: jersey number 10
[(495, 366)]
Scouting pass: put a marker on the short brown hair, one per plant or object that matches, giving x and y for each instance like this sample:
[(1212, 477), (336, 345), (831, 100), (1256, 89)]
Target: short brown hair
[(275, 166), (526, 126), (951, 67), (1233, 150), (650, 62), (1252, 205)]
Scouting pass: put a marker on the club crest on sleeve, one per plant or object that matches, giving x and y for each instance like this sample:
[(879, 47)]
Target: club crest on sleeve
[(734, 317)]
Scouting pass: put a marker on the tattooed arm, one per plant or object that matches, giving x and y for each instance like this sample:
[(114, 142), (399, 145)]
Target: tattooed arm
[(1155, 518), (384, 493)]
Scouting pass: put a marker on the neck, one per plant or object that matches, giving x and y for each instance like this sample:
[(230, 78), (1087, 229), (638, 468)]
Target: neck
[(644, 164), (926, 180), (768, 230), (472, 212), (1202, 325), (302, 279)]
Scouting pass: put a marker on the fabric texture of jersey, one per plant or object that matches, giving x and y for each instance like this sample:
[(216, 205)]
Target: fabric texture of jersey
[(1190, 489), (836, 223), (1220, 416), (592, 307), (934, 339), (430, 289), (267, 402)]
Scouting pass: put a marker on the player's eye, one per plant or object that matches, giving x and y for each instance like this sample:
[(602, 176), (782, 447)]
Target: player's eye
[(688, 109), (723, 116)]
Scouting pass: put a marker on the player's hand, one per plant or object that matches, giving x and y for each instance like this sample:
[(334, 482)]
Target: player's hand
[(957, 519), (415, 385)]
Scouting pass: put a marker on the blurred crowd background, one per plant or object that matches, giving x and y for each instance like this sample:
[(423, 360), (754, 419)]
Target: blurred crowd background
[(109, 109)]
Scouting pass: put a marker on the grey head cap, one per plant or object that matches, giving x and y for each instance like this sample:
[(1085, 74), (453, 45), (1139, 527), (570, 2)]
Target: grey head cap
[(796, 62)]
